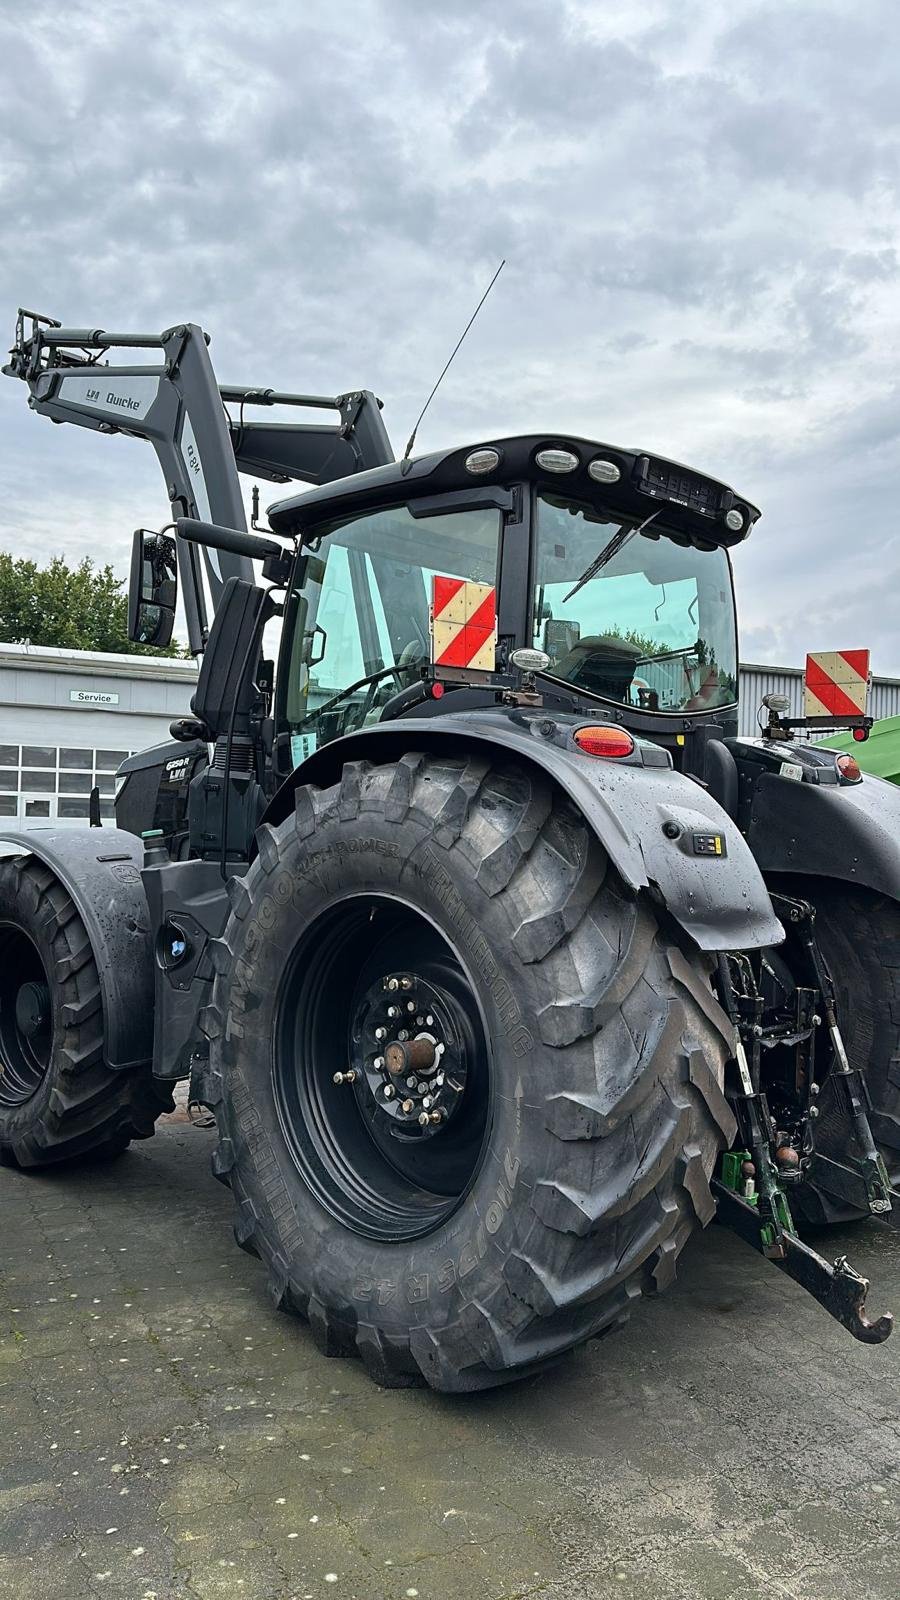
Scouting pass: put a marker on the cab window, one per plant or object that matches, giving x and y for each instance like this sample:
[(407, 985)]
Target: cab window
[(633, 616), (358, 618)]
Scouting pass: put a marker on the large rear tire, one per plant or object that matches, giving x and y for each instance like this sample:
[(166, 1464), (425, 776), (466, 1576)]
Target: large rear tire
[(859, 936), (59, 1101), (587, 1054)]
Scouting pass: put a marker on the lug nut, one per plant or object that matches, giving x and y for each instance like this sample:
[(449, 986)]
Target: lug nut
[(378, 1063), (381, 1033), (423, 1119), (428, 1102), (345, 1077), (410, 1005), (393, 1011), (402, 1034), (406, 983), (407, 1106), (412, 1083), (393, 985), (434, 1117), (389, 1091), (429, 1021)]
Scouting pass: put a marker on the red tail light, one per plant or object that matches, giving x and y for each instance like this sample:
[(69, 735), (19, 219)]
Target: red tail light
[(604, 741), (860, 735)]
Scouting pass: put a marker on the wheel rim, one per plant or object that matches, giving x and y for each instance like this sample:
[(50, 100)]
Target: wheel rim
[(26, 1018), (382, 1072)]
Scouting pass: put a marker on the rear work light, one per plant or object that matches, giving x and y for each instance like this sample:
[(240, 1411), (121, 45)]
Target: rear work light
[(849, 769), (599, 741), (556, 460), (603, 471), (483, 460)]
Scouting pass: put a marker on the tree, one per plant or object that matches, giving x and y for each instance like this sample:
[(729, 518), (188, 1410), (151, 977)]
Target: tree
[(78, 608)]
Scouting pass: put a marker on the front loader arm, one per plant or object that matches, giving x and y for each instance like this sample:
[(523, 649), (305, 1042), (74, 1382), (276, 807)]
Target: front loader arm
[(175, 404), (180, 408), (314, 454)]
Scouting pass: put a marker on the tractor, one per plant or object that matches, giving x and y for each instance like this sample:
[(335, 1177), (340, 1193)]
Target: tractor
[(502, 962)]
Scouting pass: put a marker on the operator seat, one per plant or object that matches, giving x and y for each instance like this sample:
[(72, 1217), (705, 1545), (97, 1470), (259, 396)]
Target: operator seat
[(601, 663)]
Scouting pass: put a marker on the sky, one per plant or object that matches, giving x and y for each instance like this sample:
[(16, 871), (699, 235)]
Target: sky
[(698, 206)]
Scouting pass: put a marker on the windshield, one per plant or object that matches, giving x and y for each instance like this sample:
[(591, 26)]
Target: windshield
[(654, 627)]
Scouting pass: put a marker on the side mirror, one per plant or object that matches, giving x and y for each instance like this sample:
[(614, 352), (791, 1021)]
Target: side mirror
[(153, 588)]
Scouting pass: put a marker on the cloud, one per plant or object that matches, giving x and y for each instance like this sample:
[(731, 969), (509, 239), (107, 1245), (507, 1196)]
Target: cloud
[(698, 206)]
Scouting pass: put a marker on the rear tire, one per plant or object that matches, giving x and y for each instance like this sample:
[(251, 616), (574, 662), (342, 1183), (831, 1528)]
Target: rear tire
[(859, 936), (606, 1052), (59, 1101)]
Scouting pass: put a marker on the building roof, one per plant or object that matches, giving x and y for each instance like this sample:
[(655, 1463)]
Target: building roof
[(51, 658)]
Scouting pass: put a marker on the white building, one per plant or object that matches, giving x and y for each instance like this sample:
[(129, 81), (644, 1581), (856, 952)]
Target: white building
[(69, 717)]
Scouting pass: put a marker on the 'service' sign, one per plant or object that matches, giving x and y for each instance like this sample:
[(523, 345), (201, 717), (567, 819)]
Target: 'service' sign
[(93, 697)]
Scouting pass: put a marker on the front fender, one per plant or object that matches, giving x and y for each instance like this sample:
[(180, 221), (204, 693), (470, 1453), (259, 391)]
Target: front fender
[(720, 901), (100, 869), (850, 832)]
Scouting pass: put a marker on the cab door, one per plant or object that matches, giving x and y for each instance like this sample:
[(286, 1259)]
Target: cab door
[(357, 617)]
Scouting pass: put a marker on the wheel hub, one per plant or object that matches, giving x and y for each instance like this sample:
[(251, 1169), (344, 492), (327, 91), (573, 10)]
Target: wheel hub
[(33, 1009), (382, 1073), (409, 1057)]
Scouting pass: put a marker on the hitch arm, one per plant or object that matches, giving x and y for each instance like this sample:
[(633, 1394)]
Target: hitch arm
[(838, 1288), (879, 1194)]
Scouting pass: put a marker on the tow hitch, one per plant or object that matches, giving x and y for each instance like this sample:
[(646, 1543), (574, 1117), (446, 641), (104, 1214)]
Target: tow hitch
[(751, 1191), (838, 1287)]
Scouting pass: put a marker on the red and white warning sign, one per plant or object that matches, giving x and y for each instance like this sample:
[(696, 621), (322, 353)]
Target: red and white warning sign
[(463, 624), (836, 683)]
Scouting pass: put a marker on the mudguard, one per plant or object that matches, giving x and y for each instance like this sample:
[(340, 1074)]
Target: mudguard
[(100, 869), (719, 899), (850, 832)]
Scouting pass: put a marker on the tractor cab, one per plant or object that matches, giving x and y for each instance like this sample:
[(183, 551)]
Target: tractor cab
[(611, 566)]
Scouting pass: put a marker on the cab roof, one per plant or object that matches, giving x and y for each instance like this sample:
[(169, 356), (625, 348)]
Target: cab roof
[(687, 505)]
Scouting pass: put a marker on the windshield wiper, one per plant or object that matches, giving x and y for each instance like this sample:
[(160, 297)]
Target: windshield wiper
[(618, 542)]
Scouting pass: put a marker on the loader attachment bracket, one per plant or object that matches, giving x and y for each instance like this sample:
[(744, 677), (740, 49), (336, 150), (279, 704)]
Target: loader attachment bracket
[(837, 1287)]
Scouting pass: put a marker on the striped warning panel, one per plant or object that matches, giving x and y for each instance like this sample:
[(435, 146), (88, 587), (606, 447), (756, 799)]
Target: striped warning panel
[(836, 683), (463, 623)]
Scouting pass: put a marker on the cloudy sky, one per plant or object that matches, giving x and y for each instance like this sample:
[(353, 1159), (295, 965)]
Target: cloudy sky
[(698, 204)]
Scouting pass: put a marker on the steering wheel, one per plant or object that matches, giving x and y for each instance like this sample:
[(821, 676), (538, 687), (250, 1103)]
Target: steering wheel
[(388, 672)]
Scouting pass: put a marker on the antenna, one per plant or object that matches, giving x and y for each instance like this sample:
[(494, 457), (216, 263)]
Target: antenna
[(412, 438)]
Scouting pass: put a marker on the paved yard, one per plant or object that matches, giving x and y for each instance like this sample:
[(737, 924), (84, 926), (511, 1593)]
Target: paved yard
[(166, 1434)]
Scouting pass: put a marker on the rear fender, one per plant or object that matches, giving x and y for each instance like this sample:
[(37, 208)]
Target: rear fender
[(849, 832), (720, 901), (100, 869)]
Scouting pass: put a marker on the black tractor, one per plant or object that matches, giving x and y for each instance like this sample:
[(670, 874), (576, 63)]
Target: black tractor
[(501, 960)]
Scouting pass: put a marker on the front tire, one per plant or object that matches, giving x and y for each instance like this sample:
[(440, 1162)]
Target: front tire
[(587, 1049), (59, 1101)]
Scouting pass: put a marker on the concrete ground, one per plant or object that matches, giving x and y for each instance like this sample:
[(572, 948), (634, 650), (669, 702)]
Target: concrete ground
[(166, 1435)]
